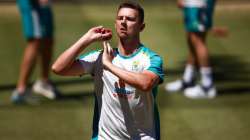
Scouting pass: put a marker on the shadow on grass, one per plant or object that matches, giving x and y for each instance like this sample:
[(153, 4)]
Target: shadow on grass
[(56, 82), (75, 96), (231, 74)]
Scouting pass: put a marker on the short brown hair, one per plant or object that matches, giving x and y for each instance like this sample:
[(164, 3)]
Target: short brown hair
[(133, 5)]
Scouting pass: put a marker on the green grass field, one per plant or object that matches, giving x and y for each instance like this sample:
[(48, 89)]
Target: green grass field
[(70, 118)]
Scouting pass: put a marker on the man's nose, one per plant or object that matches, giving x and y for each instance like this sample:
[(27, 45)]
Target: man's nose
[(124, 20)]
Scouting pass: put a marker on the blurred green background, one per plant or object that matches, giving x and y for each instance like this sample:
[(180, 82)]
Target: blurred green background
[(223, 118)]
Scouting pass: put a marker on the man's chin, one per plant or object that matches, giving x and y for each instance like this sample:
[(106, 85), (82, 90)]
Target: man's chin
[(123, 36)]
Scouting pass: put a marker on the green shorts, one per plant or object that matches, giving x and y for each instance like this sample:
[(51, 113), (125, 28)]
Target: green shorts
[(199, 19), (37, 20)]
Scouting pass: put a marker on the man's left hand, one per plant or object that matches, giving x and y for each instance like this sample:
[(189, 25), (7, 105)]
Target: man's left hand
[(108, 54)]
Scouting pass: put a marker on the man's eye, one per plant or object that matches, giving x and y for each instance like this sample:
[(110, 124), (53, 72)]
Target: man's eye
[(119, 18), (131, 19)]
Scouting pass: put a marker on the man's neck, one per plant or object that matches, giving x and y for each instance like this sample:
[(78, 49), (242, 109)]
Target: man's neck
[(128, 47)]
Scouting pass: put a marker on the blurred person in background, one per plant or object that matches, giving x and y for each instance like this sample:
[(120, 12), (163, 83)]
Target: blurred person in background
[(198, 20), (125, 78), (37, 21)]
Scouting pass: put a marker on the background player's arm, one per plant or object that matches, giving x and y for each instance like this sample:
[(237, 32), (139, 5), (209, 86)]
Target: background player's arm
[(144, 81), (180, 3), (219, 31), (44, 2), (66, 64)]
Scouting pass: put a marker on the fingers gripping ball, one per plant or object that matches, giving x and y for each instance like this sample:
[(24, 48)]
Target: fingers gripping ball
[(107, 33)]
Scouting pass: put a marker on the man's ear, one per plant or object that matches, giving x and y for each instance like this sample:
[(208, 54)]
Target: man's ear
[(142, 26)]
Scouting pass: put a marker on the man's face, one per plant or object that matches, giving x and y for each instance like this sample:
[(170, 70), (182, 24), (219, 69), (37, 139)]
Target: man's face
[(127, 23)]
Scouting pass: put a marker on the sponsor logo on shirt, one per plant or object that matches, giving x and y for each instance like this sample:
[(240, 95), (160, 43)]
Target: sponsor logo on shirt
[(121, 91)]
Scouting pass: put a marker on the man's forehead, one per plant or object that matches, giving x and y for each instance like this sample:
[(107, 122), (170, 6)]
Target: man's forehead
[(127, 10)]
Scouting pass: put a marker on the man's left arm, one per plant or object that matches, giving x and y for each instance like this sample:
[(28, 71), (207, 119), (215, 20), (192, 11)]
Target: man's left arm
[(144, 80)]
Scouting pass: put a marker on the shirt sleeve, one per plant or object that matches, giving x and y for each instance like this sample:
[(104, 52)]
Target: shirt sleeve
[(156, 66), (88, 61)]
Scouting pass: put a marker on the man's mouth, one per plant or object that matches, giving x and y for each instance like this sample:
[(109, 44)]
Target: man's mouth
[(123, 29)]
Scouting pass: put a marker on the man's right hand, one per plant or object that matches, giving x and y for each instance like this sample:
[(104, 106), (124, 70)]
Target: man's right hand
[(99, 34)]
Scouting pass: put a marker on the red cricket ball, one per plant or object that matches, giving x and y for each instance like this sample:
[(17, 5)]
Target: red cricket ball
[(105, 31)]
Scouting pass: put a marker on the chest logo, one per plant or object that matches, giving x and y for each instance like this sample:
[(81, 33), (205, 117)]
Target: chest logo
[(135, 65)]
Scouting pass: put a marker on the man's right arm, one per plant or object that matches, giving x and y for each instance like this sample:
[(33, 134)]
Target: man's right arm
[(66, 63)]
